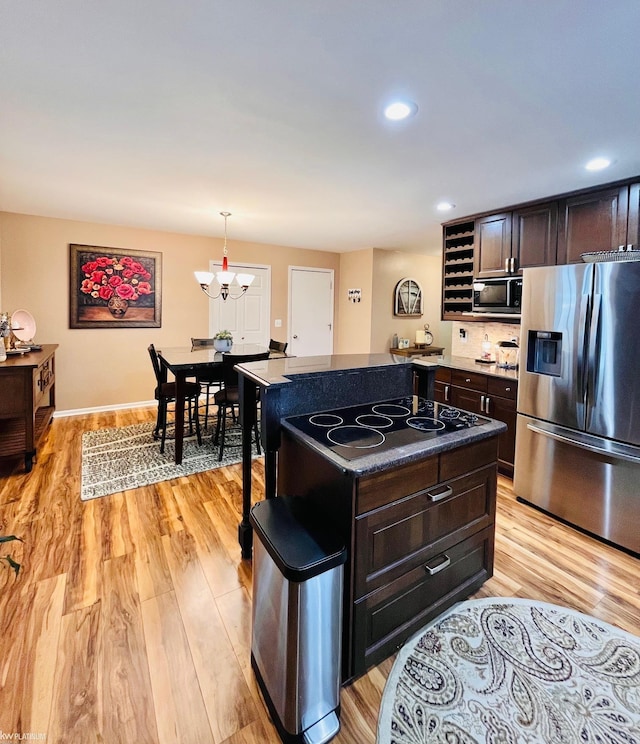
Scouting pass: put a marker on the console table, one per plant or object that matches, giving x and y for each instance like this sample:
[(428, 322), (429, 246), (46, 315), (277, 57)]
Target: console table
[(27, 401)]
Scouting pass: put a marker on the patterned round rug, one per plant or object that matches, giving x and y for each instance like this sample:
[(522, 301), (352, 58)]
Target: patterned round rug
[(511, 671)]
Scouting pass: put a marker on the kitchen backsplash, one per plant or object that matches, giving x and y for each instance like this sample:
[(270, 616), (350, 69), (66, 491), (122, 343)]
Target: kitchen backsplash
[(474, 334)]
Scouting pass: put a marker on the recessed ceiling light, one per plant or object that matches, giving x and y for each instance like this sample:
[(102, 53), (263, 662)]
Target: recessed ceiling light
[(444, 206), (596, 164), (399, 110)]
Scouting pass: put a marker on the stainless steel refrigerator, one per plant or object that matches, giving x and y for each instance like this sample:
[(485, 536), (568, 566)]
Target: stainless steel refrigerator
[(578, 427)]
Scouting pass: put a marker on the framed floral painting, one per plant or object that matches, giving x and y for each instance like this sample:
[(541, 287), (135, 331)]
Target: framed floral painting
[(113, 288)]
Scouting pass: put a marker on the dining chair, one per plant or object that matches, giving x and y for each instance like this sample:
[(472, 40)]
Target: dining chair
[(278, 345), (227, 398), (208, 379), (165, 393)]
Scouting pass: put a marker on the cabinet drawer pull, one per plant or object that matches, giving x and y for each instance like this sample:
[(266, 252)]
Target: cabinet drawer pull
[(446, 393), (439, 495), (442, 562), (467, 379)]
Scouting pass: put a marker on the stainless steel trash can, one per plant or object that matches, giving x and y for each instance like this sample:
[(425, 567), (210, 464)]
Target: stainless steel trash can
[(297, 618)]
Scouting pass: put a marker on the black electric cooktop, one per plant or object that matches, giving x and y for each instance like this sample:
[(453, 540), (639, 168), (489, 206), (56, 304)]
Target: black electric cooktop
[(378, 427)]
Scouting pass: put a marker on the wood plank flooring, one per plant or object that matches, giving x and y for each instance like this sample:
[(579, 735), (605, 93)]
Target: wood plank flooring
[(130, 620)]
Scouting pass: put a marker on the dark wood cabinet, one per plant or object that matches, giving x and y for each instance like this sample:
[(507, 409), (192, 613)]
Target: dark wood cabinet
[(421, 538), (492, 245), (485, 395), (535, 235), (501, 405), (556, 230), (442, 385), (633, 222), (596, 221), (27, 401)]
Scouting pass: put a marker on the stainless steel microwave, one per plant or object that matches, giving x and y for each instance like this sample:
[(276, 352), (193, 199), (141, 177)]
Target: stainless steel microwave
[(500, 296)]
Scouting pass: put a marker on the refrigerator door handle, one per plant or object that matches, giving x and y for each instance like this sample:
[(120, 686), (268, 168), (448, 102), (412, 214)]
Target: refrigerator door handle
[(587, 442), (582, 352), (593, 337)]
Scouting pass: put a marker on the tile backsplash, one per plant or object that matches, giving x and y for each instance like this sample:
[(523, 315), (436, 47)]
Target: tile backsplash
[(471, 345)]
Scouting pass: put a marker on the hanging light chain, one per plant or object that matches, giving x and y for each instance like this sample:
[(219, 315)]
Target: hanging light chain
[(225, 215)]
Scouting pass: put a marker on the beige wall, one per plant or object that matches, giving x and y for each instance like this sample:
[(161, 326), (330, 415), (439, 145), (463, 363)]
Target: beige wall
[(354, 330), (106, 367), (389, 267)]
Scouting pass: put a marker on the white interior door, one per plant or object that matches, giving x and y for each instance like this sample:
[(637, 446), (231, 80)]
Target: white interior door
[(310, 311), (248, 317)]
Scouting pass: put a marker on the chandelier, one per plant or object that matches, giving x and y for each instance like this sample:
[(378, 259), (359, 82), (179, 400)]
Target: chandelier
[(224, 277)]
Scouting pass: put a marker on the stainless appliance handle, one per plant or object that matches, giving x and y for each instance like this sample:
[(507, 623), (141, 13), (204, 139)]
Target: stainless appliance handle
[(587, 442), (593, 337), (439, 495), (444, 562), (582, 351)]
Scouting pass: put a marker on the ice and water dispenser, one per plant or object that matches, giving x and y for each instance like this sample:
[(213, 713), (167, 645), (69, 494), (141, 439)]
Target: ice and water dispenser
[(544, 353)]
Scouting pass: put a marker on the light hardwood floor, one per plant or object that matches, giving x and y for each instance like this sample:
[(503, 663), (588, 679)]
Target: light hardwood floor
[(130, 620)]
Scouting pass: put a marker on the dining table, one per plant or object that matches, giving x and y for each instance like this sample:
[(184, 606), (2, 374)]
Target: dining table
[(184, 362)]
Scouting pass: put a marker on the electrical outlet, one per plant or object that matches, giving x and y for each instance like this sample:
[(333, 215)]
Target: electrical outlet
[(463, 335)]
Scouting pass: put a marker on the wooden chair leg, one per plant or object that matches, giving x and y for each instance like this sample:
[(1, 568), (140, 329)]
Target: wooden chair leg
[(206, 410), (164, 427), (197, 417), (223, 431)]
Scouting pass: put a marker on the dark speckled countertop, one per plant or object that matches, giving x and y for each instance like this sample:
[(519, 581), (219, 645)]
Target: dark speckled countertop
[(393, 458), (280, 371)]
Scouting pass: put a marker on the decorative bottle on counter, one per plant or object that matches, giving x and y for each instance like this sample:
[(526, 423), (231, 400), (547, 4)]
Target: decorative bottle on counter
[(394, 342)]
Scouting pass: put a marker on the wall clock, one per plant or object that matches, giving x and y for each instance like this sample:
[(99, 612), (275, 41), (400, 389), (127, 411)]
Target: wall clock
[(408, 298)]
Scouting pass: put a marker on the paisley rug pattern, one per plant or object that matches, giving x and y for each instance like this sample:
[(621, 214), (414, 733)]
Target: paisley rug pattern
[(127, 457), (508, 671)]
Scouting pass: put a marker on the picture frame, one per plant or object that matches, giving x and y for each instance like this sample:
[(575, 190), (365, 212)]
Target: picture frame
[(114, 288), (407, 298)]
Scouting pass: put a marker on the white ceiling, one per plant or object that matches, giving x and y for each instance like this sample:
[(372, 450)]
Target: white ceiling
[(161, 114)]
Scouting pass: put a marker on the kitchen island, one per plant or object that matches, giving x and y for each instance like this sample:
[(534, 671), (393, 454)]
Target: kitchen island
[(297, 385), (417, 513)]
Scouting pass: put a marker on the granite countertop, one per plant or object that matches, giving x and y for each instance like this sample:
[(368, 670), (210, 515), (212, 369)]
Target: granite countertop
[(373, 463), (470, 365), (273, 372)]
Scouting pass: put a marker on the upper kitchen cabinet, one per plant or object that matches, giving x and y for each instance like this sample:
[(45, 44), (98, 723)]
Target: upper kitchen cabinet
[(633, 229), (535, 236), (555, 230), (596, 221), (493, 245)]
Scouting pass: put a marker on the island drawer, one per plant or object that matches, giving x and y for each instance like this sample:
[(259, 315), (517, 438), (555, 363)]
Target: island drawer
[(382, 488), (385, 619), (478, 455), (395, 538)]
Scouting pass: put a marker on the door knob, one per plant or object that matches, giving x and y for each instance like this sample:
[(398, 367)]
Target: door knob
[(295, 336)]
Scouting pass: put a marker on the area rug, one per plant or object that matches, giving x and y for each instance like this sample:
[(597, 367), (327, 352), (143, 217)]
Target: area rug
[(511, 671), (120, 459)]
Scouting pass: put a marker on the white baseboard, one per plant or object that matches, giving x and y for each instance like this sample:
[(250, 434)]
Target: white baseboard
[(100, 409)]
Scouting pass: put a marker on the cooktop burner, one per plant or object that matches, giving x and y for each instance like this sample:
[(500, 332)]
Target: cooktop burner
[(374, 427)]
